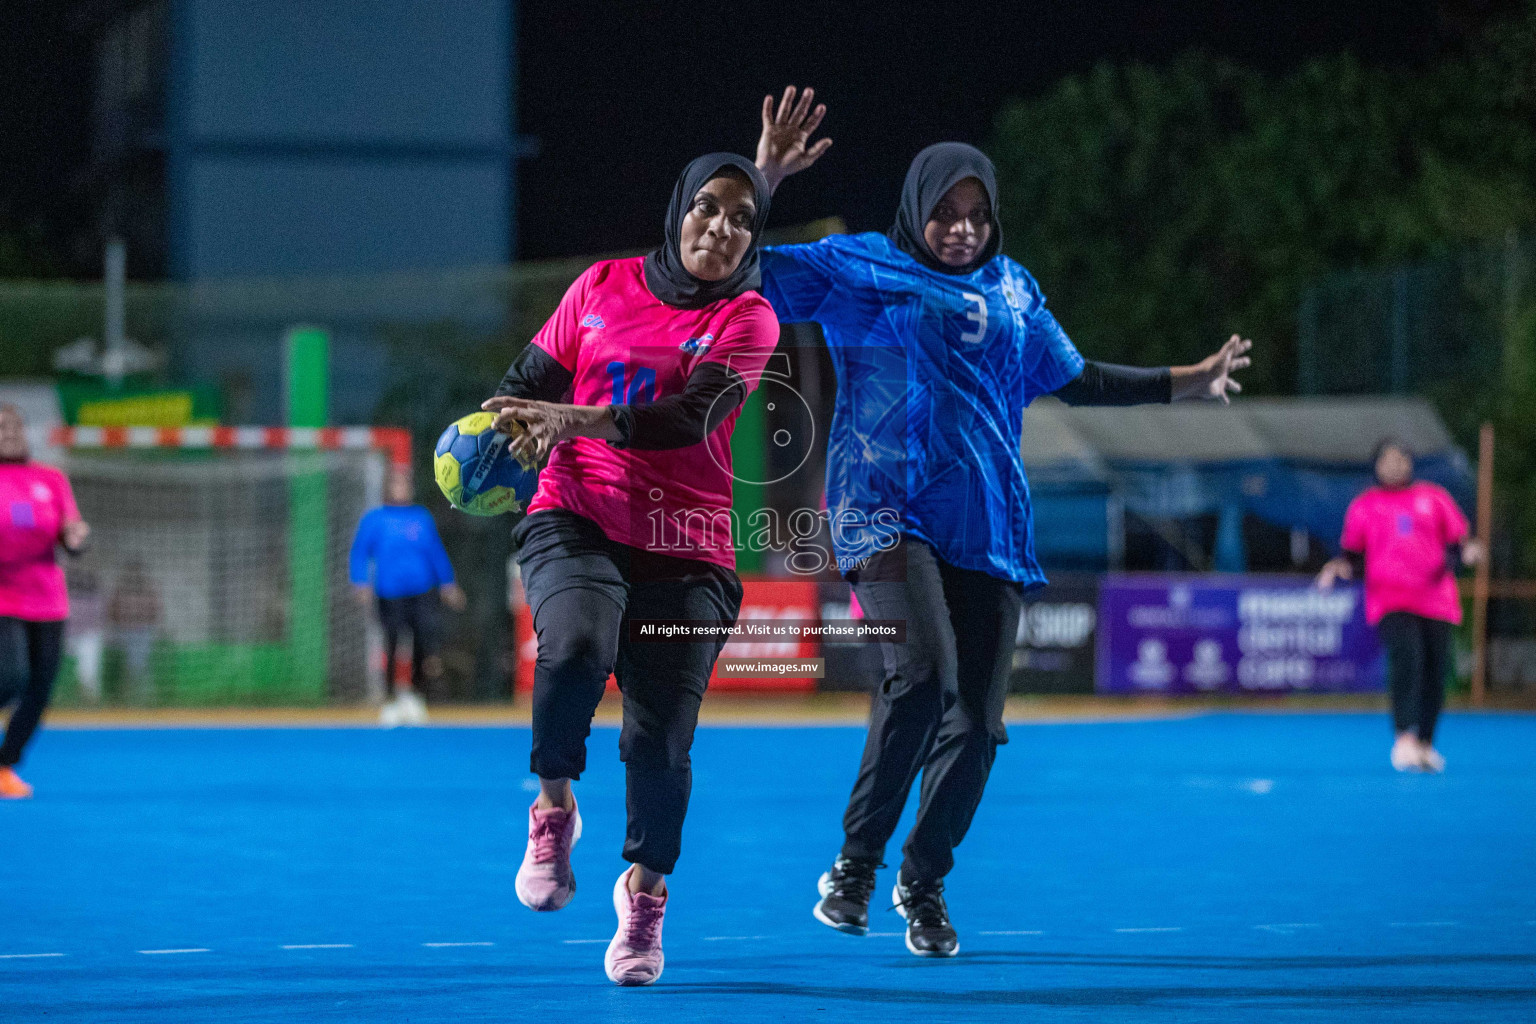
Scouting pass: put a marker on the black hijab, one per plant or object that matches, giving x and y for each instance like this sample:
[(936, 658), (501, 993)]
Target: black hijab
[(934, 172), (665, 275)]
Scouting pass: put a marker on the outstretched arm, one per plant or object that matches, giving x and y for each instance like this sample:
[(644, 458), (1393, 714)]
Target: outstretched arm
[(1111, 384), (785, 146), (712, 393)]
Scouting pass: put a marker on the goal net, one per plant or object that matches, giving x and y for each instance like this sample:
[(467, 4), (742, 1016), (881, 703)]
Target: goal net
[(217, 572)]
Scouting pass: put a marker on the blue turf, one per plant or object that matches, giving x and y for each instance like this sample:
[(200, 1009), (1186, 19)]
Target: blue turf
[(1417, 895)]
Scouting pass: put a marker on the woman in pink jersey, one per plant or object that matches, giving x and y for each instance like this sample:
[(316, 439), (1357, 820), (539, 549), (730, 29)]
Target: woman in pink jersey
[(1408, 536), (632, 522), (37, 514)]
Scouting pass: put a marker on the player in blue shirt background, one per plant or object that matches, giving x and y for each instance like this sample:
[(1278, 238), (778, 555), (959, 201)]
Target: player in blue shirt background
[(411, 576), (939, 342)]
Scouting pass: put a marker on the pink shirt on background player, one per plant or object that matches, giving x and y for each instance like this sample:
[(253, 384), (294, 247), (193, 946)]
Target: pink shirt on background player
[(35, 503), (624, 346), (1403, 533)]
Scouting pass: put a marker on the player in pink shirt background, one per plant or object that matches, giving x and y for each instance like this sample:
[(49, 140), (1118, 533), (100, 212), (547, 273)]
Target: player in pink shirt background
[(1408, 536), (632, 521), (37, 514)]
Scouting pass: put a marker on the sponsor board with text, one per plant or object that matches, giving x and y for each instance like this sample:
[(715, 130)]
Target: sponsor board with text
[(1237, 634)]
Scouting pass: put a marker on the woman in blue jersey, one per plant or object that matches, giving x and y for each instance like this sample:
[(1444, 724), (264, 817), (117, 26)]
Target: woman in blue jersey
[(410, 575), (939, 342)]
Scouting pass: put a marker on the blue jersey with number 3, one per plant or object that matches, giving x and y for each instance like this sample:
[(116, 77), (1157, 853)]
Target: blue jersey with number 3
[(934, 371)]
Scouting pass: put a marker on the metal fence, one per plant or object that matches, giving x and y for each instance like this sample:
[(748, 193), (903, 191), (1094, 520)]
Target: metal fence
[(1444, 328)]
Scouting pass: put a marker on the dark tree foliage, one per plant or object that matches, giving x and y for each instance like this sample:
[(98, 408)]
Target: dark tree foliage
[(1164, 208)]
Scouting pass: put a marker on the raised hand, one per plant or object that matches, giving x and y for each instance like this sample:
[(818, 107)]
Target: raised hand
[(785, 145), (1211, 377)]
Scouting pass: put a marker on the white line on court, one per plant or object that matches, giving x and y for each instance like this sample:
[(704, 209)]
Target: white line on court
[(448, 945), (39, 956), (1276, 928)]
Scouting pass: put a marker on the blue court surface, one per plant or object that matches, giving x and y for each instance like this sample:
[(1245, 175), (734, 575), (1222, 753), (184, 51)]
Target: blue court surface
[(1221, 867)]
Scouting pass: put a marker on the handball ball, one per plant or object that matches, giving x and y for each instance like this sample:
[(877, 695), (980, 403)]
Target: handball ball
[(477, 473)]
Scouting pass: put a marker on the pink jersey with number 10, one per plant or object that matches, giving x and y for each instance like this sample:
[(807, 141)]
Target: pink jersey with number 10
[(1403, 533), (625, 346), (35, 503)]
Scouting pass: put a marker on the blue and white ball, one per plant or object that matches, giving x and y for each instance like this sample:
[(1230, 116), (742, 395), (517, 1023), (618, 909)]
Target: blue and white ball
[(476, 472)]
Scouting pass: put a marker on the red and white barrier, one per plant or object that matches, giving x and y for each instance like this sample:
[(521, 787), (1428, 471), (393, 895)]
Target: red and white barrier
[(396, 441)]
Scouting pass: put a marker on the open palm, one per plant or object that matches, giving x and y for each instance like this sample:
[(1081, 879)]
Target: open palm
[(1227, 361), (1212, 377), (785, 145)]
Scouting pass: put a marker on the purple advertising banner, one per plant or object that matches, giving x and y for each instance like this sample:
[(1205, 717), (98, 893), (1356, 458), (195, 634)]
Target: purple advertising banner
[(1235, 634)]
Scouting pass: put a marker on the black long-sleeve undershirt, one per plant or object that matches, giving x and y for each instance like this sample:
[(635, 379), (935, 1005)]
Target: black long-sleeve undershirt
[(1112, 384), (712, 393), (537, 375)]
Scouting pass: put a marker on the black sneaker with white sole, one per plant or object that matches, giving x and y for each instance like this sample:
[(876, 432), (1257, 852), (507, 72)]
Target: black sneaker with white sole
[(845, 890), (929, 932)]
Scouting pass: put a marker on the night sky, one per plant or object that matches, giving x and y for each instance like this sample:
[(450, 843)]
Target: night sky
[(619, 96)]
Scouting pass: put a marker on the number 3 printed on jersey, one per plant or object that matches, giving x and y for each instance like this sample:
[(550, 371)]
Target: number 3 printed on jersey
[(977, 316)]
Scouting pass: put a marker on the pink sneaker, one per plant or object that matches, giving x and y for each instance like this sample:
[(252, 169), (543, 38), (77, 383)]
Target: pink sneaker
[(634, 956), (546, 881)]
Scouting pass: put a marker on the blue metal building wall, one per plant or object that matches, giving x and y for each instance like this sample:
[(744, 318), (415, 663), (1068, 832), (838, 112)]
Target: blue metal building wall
[(349, 135), (1071, 525)]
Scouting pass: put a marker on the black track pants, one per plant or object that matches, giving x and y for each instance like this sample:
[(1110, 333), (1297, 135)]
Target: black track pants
[(1418, 656), (939, 709), (583, 590), (418, 613), (29, 655)]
